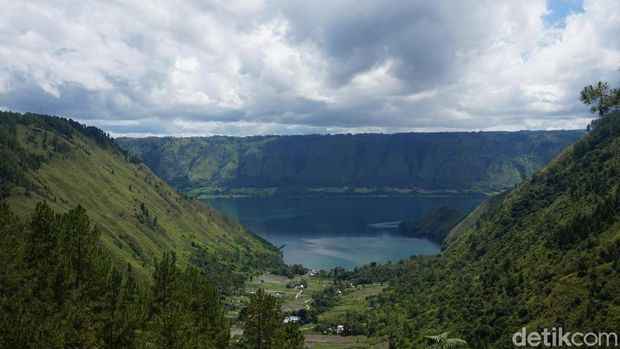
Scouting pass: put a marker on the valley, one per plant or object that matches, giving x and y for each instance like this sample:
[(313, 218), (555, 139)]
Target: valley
[(249, 174), (377, 301)]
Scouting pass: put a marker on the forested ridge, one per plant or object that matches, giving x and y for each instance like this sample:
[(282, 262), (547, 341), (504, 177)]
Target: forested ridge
[(546, 254), (64, 163), (60, 289), (97, 252), (319, 164)]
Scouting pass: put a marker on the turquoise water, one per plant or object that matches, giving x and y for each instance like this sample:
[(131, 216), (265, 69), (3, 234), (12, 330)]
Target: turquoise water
[(323, 233)]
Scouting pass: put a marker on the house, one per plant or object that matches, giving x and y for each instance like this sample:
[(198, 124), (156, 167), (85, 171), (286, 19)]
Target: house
[(291, 319)]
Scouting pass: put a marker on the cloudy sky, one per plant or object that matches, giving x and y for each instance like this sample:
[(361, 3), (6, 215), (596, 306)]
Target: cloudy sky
[(162, 67)]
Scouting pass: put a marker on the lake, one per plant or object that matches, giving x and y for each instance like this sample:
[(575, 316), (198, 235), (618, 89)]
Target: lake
[(323, 233)]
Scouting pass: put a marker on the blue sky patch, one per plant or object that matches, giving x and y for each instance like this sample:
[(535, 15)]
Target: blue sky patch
[(560, 9)]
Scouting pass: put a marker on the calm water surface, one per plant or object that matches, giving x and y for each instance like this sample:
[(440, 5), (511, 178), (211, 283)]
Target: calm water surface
[(322, 233)]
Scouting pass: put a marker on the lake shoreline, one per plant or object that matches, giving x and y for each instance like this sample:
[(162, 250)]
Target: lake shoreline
[(329, 192)]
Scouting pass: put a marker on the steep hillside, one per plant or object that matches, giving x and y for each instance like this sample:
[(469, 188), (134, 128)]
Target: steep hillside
[(546, 255), (140, 216), (474, 161), (434, 225), (486, 208)]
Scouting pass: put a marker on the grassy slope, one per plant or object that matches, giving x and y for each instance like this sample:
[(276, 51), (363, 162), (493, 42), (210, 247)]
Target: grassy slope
[(353, 301), (547, 255), (113, 190), (475, 161)]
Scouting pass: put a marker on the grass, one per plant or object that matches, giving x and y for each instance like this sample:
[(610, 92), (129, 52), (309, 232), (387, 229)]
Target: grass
[(291, 298), (318, 341), (353, 300), (117, 195)]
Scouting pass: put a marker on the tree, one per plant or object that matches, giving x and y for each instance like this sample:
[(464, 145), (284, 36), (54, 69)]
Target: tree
[(289, 336), (601, 98), (209, 327), (123, 310), (263, 317), (80, 239), (263, 327), (442, 341), (59, 289), (167, 323)]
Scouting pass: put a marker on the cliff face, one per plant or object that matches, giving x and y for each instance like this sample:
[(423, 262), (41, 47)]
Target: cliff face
[(474, 161)]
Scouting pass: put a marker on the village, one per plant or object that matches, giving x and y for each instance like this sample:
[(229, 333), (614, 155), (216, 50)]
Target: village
[(329, 327)]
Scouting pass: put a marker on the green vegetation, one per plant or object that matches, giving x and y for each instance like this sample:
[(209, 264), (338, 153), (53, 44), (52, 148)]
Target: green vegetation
[(60, 289), (473, 219), (434, 225), (442, 341), (321, 306), (350, 310), (263, 327), (291, 298), (545, 254), (376, 164), (601, 98), (140, 217), (318, 341)]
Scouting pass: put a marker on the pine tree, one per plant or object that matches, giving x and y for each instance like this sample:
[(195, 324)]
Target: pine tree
[(290, 337), (263, 327), (209, 326), (168, 325), (80, 244)]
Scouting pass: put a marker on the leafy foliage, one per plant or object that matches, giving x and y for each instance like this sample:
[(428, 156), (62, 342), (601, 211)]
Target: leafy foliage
[(601, 97), (294, 165), (442, 341)]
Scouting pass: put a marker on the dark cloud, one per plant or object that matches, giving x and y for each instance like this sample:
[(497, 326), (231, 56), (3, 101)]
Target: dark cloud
[(289, 66)]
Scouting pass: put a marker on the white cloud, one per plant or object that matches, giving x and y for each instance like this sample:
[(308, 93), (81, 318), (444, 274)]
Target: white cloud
[(244, 67)]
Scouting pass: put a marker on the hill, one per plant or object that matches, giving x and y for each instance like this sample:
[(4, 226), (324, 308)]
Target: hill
[(471, 220), (319, 164), (434, 225), (66, 164), (546, 254)]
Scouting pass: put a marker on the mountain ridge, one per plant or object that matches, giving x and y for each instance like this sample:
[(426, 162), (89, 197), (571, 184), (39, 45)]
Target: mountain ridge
[(545, 254), (318, 164), (435, 224), (67, 164)]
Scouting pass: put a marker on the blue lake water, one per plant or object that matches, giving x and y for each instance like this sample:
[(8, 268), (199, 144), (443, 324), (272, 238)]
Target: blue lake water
[(322, 233)]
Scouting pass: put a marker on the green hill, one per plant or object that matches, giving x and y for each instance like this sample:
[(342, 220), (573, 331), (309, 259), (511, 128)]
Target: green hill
[(140, 216), (546, 254), (459, 161), (471, 220), (434, 225)]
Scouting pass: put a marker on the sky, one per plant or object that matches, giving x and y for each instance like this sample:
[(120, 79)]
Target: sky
[(246, 67)]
